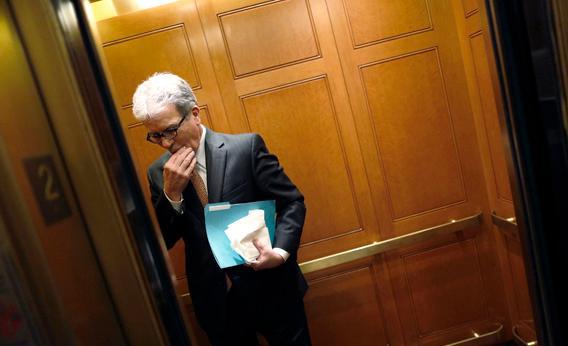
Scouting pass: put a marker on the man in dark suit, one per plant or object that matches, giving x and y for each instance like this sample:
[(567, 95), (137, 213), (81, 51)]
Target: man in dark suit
[(202, 166)]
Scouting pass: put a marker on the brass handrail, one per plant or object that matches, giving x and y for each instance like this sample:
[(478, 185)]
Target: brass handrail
[(504, 222), (521, 340), (507, 226), (389, 244), (476, 338), (386, 245)]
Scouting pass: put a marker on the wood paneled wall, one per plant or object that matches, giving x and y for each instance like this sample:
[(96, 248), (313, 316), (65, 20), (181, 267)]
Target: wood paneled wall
[(369, 106)]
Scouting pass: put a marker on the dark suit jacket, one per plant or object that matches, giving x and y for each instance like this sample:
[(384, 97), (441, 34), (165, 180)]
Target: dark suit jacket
[(239, 169)]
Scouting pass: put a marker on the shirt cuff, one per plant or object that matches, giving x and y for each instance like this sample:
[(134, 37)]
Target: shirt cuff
[(176, 205), (283, 253)]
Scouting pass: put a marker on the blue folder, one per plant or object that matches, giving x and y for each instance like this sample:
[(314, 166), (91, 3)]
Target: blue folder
[(218, 216)]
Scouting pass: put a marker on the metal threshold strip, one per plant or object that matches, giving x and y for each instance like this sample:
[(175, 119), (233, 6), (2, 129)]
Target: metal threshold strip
[(390, 244), (520, 339), (489, 338)]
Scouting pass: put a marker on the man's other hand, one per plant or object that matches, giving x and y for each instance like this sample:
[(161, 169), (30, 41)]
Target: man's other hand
[(267, 259)]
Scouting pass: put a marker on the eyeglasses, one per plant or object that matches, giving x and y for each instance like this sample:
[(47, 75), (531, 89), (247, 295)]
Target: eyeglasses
[(169, 133)]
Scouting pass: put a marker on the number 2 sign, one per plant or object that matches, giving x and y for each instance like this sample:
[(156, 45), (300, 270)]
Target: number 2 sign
[(47, 188)]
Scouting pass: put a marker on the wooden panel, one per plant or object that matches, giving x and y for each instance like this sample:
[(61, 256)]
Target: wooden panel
[(469, 7), (136, 58), (519, 278), (390, 19), (473, 23), (256, 40), (343, 309), (491, 118), (414, 133), (309, 145), (439, 290), (436, 305)]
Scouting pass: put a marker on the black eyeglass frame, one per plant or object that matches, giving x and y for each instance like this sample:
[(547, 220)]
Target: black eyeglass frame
[(169, 133)]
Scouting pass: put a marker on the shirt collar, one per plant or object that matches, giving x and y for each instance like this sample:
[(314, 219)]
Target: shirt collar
[(201, 161)]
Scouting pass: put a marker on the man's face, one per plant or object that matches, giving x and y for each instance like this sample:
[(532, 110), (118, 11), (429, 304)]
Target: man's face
[(188, 134)]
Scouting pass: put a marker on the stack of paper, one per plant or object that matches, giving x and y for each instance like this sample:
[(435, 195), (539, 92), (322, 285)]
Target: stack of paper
[(243, 232)]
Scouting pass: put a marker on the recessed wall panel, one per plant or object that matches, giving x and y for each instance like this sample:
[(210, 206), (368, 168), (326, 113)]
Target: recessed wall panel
[(343, 309), (414, 133), (372, 20), (490, 117), (445, 286), (299, 124), (269, 36), (469, 7), (165, 50)]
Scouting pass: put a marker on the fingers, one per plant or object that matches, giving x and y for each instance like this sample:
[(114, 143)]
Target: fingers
[(184, 158), (181, 162), (267, 258), (191, 166), (258, 245), (188, 160), (178, 156), (256, 265), (177, 171)]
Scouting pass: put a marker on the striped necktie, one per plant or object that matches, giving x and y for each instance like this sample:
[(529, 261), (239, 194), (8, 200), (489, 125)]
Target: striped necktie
[(199, 186)]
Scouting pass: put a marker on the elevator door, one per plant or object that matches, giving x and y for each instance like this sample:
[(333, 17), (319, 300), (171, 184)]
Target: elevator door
[(366, 105)]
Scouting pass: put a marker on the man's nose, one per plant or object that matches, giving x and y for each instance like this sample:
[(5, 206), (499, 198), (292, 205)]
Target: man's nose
[(166, 143)]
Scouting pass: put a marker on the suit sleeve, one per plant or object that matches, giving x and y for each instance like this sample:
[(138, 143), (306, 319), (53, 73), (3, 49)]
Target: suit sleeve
[(275, 184), (169, 220)]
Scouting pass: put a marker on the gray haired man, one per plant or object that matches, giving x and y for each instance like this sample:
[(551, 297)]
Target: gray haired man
[(202, 166)]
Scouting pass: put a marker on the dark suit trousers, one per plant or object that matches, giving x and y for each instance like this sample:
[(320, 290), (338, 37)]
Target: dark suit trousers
[(281, 319)]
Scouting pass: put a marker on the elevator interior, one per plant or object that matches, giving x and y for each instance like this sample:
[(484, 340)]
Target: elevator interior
[(391, 117)]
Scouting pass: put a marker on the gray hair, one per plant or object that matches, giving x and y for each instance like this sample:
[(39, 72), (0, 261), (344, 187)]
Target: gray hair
[(159, 91)]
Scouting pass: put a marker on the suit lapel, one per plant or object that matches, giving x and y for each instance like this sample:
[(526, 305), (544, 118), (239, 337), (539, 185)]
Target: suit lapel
[(216, 157)]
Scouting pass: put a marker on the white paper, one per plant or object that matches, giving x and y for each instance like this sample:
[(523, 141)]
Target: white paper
[(245, 230)]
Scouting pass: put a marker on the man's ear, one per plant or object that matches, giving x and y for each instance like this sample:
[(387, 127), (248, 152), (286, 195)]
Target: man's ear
[(195, 112)]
